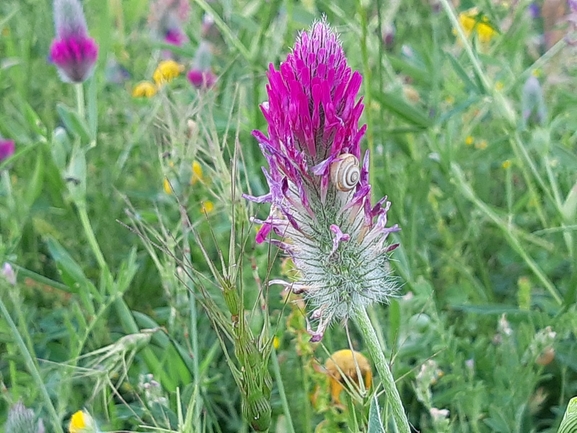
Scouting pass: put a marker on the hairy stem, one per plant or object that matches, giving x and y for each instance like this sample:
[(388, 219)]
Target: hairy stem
[(362, 320)]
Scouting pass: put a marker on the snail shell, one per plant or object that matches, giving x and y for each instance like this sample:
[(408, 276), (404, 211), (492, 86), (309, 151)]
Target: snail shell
[(345, 172)]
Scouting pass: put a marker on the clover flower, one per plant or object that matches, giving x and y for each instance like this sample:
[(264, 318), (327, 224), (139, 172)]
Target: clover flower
[(346, 367), (73, 52), (22, 420), (167, 18), (7, 148), (201, 75), (319, 183)]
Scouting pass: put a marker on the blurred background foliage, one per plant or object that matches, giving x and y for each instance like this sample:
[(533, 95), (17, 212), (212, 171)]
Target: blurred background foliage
[(482, 185)]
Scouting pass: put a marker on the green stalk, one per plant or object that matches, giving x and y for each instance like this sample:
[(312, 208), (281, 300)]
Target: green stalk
[(281, 393), (32, 368), (91, 237), (362, 320), (78, 87)]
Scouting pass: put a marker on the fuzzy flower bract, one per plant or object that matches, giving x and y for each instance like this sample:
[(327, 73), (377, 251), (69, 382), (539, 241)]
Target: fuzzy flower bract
[(73, 52), (321, 212), (22, 420)]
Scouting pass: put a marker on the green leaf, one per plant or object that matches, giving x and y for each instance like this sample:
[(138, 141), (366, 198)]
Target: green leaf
[(569, 422), (37, 182), (469, 84), (70, 271), (375, 421), (76, 176), (403, 110), (74, 123)]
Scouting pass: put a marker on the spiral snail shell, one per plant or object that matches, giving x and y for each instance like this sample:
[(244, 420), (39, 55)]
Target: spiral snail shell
[(345, 172)]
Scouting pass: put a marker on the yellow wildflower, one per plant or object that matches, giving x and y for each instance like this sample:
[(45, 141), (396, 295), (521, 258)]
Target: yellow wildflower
[(276, 342), (469, 140), (166, 71), (207, 206), (467, 20), (196, 173), (485, 32), (144, 89), (472, 21), (343, 367), (506, 164), (82, 422), (499, 85), (167, 186)]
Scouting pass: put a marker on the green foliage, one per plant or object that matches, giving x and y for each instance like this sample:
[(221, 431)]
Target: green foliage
[(152, 309)]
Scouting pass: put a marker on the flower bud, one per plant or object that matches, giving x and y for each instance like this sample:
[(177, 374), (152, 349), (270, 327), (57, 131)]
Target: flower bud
[(22, 420), (72, 51), (532, 102), (6, 149)]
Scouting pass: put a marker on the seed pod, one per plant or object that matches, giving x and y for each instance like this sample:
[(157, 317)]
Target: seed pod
[(345, 172)]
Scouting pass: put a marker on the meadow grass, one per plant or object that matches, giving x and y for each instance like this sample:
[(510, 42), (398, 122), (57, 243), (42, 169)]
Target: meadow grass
[(142, 296)]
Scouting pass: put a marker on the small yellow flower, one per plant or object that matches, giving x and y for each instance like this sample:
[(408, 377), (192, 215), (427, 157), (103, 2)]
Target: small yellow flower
[(499, 85), (467, 20), (167, 186), (144, 89), (207, 206), (196, 173), (82, 422), (485, 32), (481, 145), (166, 71), (343, 366), (469, 140), (276, 342), (506, 164), (472, 21)]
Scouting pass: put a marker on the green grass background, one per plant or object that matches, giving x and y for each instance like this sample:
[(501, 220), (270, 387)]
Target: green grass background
[(486, 261)]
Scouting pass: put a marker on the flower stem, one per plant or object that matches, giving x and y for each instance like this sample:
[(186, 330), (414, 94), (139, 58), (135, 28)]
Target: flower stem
[(32, 367), (91, 237), (80, 100), (362, 320)]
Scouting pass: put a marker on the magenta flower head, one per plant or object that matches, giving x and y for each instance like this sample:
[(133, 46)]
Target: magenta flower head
[(6, 149), (73, 52), (201, 75), (321, 213)]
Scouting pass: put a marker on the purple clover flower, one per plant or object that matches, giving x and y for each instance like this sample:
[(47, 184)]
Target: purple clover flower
[(7, 148), (72, 51), (201, 75), (321, 211)]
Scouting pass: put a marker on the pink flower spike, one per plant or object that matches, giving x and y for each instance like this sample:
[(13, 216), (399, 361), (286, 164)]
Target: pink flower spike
[(75, 58), (319, 192), (201, 79), (72, 51), (175, 37), (7, 149)]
